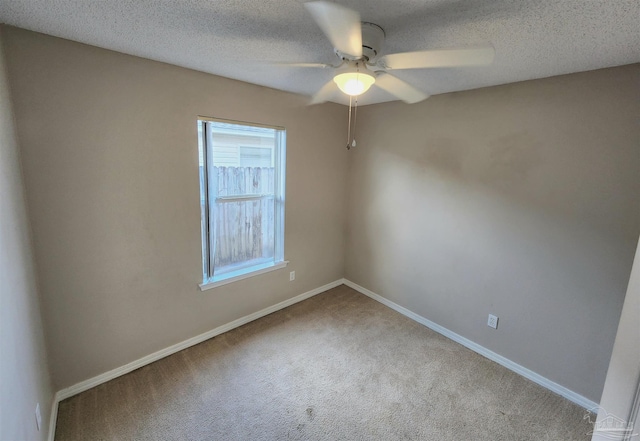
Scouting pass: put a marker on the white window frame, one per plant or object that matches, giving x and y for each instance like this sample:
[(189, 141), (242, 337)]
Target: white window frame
[(208, 202)]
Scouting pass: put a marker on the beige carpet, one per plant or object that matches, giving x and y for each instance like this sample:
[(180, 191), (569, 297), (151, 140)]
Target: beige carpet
[(338, 366)]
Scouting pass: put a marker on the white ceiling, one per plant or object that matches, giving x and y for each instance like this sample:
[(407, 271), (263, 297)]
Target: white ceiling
[(242, 39)]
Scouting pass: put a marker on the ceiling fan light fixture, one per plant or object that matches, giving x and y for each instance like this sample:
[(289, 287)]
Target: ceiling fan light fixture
[(354, 82)]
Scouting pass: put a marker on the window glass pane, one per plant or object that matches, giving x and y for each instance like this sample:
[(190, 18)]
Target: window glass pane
[(243, 156), (256, 157), (239, 181), (244, 233)]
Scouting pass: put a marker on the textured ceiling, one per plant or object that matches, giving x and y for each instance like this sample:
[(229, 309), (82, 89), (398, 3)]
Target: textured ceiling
[(242, 39)]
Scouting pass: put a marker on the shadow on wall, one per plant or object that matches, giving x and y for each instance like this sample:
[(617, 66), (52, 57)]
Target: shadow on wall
[(503, 201), (464, 247)]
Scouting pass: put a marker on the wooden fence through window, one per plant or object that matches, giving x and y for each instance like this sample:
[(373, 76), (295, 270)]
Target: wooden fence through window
[(244, 230)]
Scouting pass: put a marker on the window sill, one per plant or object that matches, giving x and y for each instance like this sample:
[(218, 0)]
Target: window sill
[(214, 283)]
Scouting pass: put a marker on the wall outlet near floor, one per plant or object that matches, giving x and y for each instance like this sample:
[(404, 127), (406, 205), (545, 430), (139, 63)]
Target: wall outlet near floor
[(493, 321), (292, 276), (38, 416)]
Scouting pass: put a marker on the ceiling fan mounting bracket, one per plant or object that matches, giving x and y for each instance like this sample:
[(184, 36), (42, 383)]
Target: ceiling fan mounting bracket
[(372, 40)]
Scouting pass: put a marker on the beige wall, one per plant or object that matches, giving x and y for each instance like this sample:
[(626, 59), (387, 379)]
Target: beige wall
[(111, 171), (519, 200), (24, 375)]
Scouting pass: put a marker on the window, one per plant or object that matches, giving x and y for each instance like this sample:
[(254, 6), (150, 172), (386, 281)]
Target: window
[(242, 182)]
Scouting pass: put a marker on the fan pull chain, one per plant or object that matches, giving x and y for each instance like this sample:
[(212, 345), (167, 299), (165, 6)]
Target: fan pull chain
[(349, 126), (355, 118), (351, 142)]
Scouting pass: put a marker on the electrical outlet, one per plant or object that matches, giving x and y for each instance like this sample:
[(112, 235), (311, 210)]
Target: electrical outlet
[(38, 416), (292, 276), (493, 321)]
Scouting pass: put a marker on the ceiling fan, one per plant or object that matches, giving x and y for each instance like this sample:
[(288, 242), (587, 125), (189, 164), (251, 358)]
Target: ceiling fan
[(357, 44)]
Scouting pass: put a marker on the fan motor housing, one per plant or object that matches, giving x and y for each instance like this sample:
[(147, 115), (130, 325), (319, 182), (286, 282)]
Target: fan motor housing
[(372, 40)]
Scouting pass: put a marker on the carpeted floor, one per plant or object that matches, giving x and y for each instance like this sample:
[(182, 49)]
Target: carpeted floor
[(338, 366)]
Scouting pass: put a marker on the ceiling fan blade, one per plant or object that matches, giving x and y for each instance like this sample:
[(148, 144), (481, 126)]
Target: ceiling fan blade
[(480, 56), (341, 26), (324, 94), (319, 65), (397, 87)]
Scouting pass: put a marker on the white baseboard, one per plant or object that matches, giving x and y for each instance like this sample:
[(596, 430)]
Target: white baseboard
[(114, 373), (53, 418), (527, 373)]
